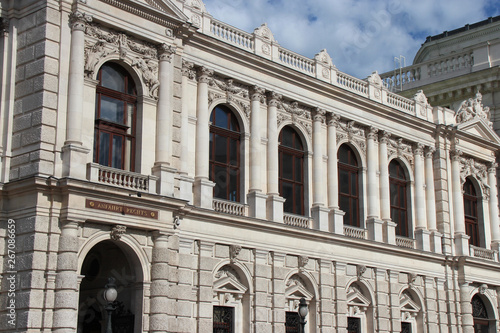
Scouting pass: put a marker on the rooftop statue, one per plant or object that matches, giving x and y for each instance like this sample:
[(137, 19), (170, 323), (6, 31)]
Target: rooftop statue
[(471, 109)]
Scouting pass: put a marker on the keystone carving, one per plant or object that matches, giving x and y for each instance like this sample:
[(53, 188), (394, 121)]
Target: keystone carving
[(117, 232)]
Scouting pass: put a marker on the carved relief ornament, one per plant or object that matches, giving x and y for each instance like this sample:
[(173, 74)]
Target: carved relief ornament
[(354, 133), (478, 170), (296, 114), (473, 108)]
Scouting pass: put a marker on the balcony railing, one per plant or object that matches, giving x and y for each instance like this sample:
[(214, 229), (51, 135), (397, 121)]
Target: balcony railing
[(483, 253), (405, 242), (354, 232), (229, 207), (297, 220), (121, 178)]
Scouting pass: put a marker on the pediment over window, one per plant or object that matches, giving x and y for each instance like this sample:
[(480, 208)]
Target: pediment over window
[(479, 127), (296, 289), (154, 7), (356, 298), (227, 280), (408, 304)]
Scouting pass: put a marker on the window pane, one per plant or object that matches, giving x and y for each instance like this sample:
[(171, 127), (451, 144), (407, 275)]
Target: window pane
[(130, 115), (221, 117), (287, 166), (104, 149), (220, 179), (298, 169), (287, 194), (112, 79), (354, 183), (220, 149), (354, 212), (233, 181), (343, 181), (233, 152), (287, 135), (394, 215), (298, 200), (344, 203), (112, 109), (394, 194), (117, 151)]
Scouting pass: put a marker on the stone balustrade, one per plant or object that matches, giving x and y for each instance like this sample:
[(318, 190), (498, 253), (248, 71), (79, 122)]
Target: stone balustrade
[(354, 232), (121, 178), (405, 242), (320, 68), (230, 207), (483, 253), (297, 220)]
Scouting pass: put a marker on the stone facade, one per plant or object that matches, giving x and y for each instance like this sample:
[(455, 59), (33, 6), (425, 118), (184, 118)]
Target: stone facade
[(185, 258)]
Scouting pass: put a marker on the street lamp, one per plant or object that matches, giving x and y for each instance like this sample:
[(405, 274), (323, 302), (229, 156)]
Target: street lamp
[(302, 314), (110, 294)]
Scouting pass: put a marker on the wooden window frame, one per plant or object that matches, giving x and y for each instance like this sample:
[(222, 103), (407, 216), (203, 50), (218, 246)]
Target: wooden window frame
[(471, 221), (351, 169), (401, 182)]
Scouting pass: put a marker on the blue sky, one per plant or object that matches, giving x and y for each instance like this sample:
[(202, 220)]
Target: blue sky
[(361, 36)]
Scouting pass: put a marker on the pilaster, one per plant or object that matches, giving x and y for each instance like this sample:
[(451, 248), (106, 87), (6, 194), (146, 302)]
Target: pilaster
[(257, 204), (206, 265), (340, 295), (431, 306), (466, 308), (376, 228), (262, 297), (274, 208), (326, 297), (278, 296)]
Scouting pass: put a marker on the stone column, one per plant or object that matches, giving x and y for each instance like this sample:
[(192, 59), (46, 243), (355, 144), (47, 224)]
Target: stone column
[(466, 308), (66, 290), (461, 239), (262, 297), (493, 205), (163, 153), (422, 235), (274, 201), (159, 300), (336, 217), (319, 211), (203, 187), (74, 154), (373, 223), (430, 197), (256, 199), (185, 179), (385, 201)]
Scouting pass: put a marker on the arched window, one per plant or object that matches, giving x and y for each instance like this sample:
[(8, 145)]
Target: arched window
[(480, 315), (471, 213), (348, 185), (225, 154), (115, 114), (291, 171), (399, 201)]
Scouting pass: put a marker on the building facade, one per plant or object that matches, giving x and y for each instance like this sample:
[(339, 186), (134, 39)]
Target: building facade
[(219, 178)]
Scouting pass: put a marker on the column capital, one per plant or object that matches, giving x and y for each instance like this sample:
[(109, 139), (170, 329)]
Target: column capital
[(78, 20), (492, 167), (418, 149), (273, 98), (429, 151), (257, 94), (332, 119), (188, 69), (318, 114), (165, 52), (384, 136), (456, 154), (371, 132), (204, 74)]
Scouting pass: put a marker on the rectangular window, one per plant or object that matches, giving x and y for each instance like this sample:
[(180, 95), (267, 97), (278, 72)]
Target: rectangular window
[(223, 321), (292, 324), (353, 325)]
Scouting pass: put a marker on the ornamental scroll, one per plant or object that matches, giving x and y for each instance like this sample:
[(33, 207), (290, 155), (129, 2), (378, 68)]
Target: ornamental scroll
[(101, 43)]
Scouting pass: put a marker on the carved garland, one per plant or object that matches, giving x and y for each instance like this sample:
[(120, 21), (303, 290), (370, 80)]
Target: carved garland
[(101, 42), (470, 167), (291, 111), (353, 132), (231, 92), (401, 149)]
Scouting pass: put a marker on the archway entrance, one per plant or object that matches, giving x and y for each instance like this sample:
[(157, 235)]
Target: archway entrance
[(482, 320), (106, 259)]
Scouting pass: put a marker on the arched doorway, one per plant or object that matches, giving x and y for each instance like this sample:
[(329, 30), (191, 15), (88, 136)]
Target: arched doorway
[(482, 320), (106, 259)]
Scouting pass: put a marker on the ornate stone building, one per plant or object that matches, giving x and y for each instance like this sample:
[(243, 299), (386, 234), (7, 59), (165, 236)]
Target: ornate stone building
[(219, 178)]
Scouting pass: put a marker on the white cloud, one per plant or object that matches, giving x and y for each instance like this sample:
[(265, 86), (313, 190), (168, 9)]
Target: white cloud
[(361, 36)]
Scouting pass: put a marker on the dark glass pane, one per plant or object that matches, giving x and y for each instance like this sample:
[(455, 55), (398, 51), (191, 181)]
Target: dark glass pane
[(405, 327), (353, 325), (394, 215), (112, 109), (287, 194), (220, 149), (234, 124), (211, 146), (343, 181), (467, 207), (287, 166), (292, 324), (343, 155), (344, 204), (223, 319), (298, 200), (402, 196), (354, 212), (394, 194), (233, 152), (233, 181), (111, 78), (287, 136), (221, 117), (117, 151), (220, 179), (104, 148), (354, 189), (298, 169)]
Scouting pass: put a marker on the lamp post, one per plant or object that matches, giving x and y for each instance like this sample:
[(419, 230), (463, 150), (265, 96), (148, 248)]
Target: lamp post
[(302, 314), (110, 295)]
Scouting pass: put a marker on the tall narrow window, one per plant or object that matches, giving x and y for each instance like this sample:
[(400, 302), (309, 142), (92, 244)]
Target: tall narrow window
[(471, 213), (292, 323), (353, 325), (291, 171), (225, 153), (115, 114), (399, 201), (348, 185), (480, 315)]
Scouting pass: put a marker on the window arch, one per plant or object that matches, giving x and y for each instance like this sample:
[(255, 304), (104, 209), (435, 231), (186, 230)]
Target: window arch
[(291, 170), (115, 118), (348, 180), (471, 212), (224, 160), (399, 198), (482, 320)]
